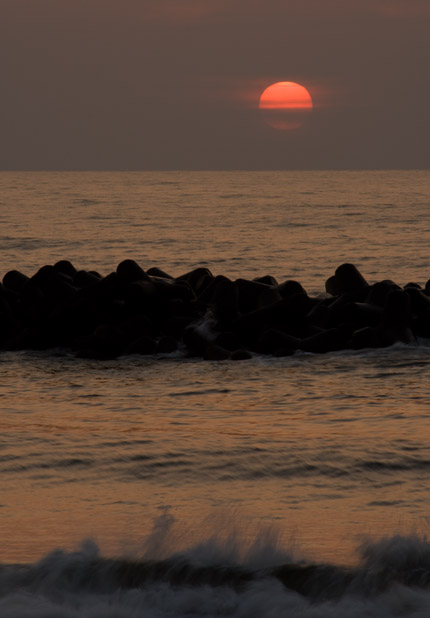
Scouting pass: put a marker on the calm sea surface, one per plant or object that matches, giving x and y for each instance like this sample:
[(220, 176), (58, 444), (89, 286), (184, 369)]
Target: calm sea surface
[(196, 482)]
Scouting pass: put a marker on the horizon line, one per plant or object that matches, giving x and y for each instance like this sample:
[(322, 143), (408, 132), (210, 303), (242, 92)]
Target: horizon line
[(215, 170)]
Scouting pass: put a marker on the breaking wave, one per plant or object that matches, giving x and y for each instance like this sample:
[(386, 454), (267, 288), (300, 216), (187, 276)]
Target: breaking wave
[(220, 577)]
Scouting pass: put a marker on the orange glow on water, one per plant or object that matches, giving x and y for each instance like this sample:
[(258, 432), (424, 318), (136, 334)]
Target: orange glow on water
[(285, 105)]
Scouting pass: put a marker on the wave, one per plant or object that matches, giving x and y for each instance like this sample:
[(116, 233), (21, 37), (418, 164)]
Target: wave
[(220, 578), (241, 463)]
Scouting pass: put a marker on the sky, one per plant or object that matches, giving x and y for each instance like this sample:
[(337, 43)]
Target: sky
[(175, 84)]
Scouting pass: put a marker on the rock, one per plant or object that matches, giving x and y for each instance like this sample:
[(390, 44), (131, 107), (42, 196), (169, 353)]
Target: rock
[(253, 295), (267, 280), (15, 280), (365, 338), (358, 315), (239, 355), (378, 292), (224, 300), (167, 345), (169, 289), (350, 280), (65, 267), (106, 343), (271, 341), (332, 286), (129, 271), (157, 272), (419, 302), (198, 279), (215, 353), (175, 326), (319, 315), (396, 320), (228, 340), (420, 324), (196, 340), (142, 345), (84, 279), (290, 288), (330, 340)]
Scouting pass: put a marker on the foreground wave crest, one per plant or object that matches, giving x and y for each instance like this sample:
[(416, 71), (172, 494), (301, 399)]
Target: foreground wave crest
[(209, 579)]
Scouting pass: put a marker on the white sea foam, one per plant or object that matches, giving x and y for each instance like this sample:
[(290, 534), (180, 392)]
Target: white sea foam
[(85, 585)]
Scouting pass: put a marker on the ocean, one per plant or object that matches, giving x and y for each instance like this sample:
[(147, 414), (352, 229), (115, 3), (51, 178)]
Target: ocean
[(168, 486)]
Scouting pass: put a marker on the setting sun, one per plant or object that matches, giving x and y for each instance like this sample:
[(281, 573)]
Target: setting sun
[(285, 105)]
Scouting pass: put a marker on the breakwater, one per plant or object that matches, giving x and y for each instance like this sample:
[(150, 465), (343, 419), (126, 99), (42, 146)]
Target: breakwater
[(133, 311)]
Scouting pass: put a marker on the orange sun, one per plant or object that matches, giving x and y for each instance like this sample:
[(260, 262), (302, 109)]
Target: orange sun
[(285, 105)]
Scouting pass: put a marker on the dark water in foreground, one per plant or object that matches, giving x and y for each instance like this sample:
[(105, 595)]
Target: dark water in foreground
[(269, 487)]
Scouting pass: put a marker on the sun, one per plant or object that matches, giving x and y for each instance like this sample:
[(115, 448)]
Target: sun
[(285, 105)]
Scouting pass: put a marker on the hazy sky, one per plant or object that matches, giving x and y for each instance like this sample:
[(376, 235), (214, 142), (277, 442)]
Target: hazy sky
[(175, 84)]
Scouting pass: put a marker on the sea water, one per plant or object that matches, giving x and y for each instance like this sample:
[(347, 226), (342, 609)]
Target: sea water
[(168, 486)]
